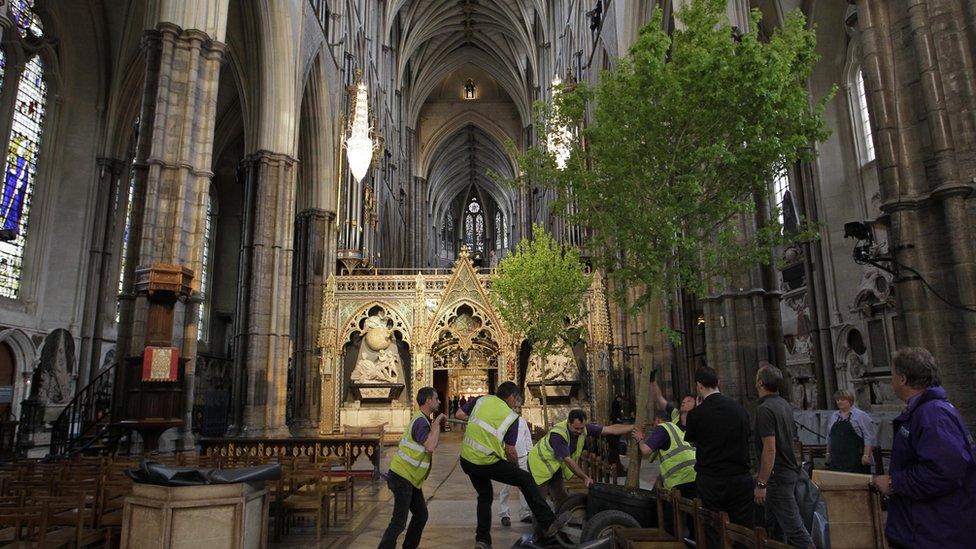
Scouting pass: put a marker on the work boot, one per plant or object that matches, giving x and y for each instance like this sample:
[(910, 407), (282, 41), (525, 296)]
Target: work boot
[(506, 521), (482, 545), (558, 524)]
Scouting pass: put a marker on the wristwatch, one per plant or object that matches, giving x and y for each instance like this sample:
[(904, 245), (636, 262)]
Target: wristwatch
[(760, 484)]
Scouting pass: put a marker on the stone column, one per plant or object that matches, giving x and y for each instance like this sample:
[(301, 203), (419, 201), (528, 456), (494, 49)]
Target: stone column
[(263, 345), (314, 250), (173, 162), (418, 222), (921, 92), (100, 289), (329, 356)]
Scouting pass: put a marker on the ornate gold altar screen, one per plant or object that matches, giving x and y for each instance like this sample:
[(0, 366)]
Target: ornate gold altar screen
[(382, 336)]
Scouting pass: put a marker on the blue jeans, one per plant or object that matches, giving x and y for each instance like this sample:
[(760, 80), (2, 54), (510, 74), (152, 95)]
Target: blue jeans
[(405, 498)]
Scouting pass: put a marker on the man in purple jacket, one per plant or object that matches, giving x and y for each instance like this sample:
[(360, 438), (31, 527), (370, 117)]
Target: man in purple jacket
[(932, 485)]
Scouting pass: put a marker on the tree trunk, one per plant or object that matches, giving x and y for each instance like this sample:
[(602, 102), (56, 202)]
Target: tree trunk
[(633, 449), (545, 403), (643, 395)]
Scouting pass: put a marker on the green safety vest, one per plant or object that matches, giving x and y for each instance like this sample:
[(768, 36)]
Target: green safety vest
[(678, 461), (543, 463), (490, 418), (411, 460)]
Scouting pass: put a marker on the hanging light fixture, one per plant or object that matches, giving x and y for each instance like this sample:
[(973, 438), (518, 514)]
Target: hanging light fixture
[(360, 144), (469, 89), (558, 137)]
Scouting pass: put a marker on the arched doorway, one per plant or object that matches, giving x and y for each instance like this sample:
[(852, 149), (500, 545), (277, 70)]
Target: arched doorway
[(465, 356)]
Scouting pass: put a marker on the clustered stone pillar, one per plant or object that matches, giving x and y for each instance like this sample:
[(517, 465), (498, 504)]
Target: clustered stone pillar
[(100, 290), (417, 244), (172, 171), (921, 89), (263, 342), (314, 250)]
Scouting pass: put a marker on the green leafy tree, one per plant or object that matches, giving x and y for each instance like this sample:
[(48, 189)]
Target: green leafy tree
[(668, 157), (539, 293)]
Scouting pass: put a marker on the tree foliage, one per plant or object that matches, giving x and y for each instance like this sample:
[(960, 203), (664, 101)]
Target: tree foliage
[(679, 141), (539, 292)]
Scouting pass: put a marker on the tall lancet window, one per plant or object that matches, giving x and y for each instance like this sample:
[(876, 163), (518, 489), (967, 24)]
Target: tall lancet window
[(499, 229), (474, 227), (864, 118), (23, 148), (447, 240), (126, 227), (208, 223)]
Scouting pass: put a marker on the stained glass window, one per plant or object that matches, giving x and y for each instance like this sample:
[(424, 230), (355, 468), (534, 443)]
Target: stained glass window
[(865, 116), (3, 66), (479, 232), (27, 20), (469, 230), (474, 226), (20, 172), (205, 267)]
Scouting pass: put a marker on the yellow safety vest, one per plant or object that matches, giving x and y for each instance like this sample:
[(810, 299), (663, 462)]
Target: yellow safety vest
[(678, 461), (490, 418), (411, 460), (543, 463)]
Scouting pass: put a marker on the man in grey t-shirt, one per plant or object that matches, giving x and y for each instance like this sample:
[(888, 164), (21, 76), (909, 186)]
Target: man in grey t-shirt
[(778, 469)]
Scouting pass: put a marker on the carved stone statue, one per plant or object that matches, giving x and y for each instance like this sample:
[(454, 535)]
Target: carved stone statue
[(378, 360), (51, 382), (559, 367)]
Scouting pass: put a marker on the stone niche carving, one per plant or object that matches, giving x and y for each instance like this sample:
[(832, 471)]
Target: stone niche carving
[(378, 374), (561, 375)]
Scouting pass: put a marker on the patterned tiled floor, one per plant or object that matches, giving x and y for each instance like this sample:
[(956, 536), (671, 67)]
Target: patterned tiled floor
[(451, 504)]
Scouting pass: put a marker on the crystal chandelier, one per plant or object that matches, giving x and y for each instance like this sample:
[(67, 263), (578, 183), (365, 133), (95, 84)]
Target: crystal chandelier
[(559, 136), (359, 144)]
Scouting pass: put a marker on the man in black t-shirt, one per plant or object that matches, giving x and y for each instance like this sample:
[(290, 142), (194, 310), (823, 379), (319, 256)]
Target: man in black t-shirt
[(719, 428), (778, 469)]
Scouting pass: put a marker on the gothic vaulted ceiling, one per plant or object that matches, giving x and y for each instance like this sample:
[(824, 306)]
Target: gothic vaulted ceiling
[(439, 36)]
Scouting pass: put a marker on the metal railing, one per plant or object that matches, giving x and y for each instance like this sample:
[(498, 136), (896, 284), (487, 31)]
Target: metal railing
[(87, 415)]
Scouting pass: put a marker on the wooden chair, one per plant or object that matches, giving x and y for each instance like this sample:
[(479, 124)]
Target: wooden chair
[(309, 498), (341, 479), (110, 502), (765, 542), (684, 509), (709, 521), (738, 535), (23, 525), (73, 523)]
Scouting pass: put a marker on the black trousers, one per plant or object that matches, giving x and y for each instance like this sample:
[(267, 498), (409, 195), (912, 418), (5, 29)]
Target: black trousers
[(405, 498), (506, 473), (734, 495)]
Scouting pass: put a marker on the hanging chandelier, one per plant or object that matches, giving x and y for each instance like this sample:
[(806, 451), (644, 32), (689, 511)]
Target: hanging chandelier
[(559, 136), (359, 143)]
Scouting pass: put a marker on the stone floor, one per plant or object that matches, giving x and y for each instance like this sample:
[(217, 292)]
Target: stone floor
[(451, 504)]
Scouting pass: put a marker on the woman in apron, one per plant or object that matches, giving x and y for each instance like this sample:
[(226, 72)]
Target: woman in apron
[(852, 435)]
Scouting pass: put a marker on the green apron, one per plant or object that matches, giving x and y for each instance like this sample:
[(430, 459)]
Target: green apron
[(846, 448)]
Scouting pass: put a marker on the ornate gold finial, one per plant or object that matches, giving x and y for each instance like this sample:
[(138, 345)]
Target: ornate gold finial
[(464, 252)]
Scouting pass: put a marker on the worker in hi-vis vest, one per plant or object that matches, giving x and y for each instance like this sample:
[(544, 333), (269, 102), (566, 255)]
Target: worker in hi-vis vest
[(554, 459), (666, 443), (488, 453), (409, 469)]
